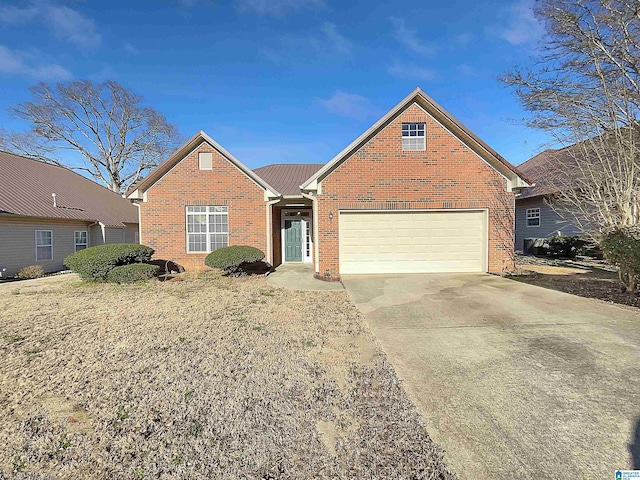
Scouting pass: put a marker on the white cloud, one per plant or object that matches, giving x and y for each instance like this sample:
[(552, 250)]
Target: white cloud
[(10, 15), (326, 43), (64, 22), (276, 7), (522, 27), (18, 63), (336, 42), (408, 37), (411, 71), (130, 50), (347, 105)]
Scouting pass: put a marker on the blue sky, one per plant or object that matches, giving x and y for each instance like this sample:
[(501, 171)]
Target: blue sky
[(280, 81)]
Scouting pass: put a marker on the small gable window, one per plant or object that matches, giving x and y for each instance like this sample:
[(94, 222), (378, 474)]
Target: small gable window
[(205, 161), (413, 137), (533, 217)]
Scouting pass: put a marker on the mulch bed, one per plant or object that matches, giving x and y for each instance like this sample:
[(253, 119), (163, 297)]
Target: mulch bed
[(595, 284)]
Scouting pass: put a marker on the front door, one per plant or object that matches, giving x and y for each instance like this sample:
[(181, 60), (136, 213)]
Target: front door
[(293, 240)]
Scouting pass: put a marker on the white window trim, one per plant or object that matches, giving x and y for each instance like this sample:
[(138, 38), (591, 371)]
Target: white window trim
[(50, 245), (75, 243), (423, 137), (533, 211), (201, 155), (208, 234)]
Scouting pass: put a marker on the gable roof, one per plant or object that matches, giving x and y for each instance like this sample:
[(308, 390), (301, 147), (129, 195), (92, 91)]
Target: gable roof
[(442, 116), (553, 169), (177, 156), (536, 168), (287, 177), (27, 185)]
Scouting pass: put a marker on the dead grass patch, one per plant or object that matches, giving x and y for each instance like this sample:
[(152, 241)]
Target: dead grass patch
[(203, 379)]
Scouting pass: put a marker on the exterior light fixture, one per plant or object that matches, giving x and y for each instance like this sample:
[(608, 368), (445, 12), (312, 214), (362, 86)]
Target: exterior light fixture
[(330, 216)]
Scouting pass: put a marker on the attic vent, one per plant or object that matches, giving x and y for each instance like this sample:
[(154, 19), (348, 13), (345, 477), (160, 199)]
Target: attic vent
[(205, 160)]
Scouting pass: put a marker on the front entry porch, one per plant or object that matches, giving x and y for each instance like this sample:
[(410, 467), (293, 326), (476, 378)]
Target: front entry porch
[(292, 233), (299, 276)]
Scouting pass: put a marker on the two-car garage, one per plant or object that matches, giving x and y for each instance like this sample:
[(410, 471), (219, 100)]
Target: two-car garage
[(413, 241)]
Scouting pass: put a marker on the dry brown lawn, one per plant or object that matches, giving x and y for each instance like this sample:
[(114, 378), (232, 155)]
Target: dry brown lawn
[(225, 378)]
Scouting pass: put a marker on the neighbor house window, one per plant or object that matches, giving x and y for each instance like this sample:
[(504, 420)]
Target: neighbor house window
[(205, 161), (533, 217), (44, 245), (207, 228), (80, 240), (413, 137)]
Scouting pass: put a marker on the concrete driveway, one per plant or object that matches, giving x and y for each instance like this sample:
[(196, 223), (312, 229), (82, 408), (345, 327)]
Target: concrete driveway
[(513, 380)]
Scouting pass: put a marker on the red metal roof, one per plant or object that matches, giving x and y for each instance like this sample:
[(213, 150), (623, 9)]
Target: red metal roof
[(287, 177), (27, 185)]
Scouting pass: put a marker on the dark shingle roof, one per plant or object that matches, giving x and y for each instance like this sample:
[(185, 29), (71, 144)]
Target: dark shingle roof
[(26, 186), (549, 169), (287, 177)]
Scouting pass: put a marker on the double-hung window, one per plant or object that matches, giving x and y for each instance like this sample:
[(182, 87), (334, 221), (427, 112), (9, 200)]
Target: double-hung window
[(533, 217), (44, 245), (207, 228), (413, 137), (80, 240)]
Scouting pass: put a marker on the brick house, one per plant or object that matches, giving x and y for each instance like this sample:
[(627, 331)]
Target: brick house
[(416, 192)]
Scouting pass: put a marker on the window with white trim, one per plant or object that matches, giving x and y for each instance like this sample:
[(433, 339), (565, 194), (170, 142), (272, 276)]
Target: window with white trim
[(207, 228), (205, 161), (413, 136), (533, 217), (44, 245), (80, 240)]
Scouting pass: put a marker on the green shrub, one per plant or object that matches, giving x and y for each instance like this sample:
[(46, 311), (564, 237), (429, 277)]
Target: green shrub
[(95, 263), (621, 247), (134, 272), (234, 259), (564, 246), (32, 271)]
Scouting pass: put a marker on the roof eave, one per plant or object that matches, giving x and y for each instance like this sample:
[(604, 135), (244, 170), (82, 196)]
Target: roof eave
[(162, 169), (500, 164)]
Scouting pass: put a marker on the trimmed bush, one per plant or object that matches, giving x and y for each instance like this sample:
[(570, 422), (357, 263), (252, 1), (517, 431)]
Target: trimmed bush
[(32, 271), (621, 247), (95, 263), (134, 272), (234, 259)]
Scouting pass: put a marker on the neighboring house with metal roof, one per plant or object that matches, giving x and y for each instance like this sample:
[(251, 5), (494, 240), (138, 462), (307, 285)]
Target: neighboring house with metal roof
[(48, 212), (416, 192), (535, 218)]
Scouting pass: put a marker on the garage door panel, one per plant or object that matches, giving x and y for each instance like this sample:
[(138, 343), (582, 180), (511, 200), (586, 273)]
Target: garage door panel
[(412, 242)]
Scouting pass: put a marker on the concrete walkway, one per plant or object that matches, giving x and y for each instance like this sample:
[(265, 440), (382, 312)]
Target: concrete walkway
[(513, 380), (299, 276)]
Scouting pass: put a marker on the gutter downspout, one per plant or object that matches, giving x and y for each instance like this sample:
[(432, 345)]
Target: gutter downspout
[(270, 204), (314, 211), (139, 223)]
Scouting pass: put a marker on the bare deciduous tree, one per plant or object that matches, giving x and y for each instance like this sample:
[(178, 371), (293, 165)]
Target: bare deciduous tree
[(584, 90), (119, 138)]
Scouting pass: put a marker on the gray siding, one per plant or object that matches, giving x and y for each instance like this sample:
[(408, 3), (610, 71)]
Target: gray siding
[(18, 243), (114, 235), (131, 234), (95, 236), (551, 223)]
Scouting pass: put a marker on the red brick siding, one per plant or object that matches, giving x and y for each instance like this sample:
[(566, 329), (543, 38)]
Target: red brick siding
[(163, 215), (448, 175)]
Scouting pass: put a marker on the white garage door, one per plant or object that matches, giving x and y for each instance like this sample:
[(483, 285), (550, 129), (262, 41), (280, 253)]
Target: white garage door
[(412, 242)]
